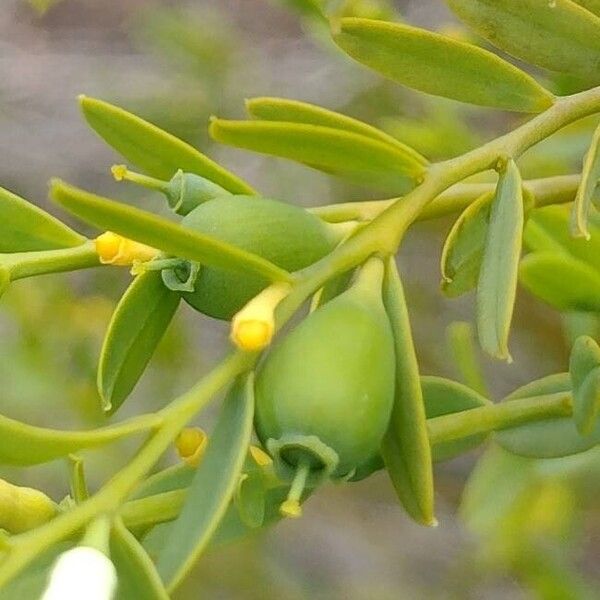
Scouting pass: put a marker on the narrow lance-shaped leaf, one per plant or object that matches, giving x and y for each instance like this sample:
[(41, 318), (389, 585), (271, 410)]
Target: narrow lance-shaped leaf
[(25, 227), (24, 444), (586, 401), (548, 438), (497, 285), (293, 111), (562, 281), (250, 499), (463, 249), (590, 175), (324, 148), (591, 5), (461, 346), (555, 34), (159, 153), (165, 235), (213, 485), (547, 229), (439, 65), (138, 578), (584, 368), (405, 447), (486, 505), (137, 326)]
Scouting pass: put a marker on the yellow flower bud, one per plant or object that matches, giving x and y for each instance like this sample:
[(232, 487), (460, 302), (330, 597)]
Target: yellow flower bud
[(260, 457), (290, 509), (252, 328), (114, 249), (119, 172), (191, 444), (23, 508)]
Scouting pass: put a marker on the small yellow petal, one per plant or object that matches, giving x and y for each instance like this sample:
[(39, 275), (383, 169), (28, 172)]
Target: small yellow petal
[(114, 249), (119, 172), (107, 246), (291, 509), (260, 457), (252, 334), (191, 444)]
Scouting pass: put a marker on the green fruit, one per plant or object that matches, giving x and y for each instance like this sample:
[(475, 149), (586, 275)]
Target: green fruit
[(287, 235), (325, 393)]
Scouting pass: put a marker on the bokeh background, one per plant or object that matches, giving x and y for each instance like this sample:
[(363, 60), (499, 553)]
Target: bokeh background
[(176, 63)]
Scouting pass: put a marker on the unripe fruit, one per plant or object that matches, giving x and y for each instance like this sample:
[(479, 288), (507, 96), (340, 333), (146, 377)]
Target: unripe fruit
[(287, 235), (325, 393)]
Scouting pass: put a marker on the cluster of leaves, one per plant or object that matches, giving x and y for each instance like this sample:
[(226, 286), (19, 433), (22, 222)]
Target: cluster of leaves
[(167, 519)]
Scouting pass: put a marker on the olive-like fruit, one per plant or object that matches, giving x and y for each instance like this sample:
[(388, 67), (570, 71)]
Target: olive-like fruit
[(324, 394), (287, 235)]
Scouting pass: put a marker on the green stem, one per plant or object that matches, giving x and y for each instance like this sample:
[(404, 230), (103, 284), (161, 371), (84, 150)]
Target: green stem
[(382, 235), (29, 264), (548, 190), (122, 173), (27, 546), (498, 416)]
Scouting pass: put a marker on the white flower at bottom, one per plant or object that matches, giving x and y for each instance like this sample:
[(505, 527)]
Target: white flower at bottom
[(82, 573)]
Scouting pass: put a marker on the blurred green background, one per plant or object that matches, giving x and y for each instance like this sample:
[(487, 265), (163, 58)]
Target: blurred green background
[(528, 529)]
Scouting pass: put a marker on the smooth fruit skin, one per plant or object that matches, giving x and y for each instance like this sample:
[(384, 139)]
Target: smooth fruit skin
[(287, 235), (332, 377)]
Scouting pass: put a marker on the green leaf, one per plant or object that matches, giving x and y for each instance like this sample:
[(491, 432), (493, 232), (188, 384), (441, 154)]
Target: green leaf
[(549, 438), (137, 326), (563, 282), (324, 148), (592, 5), (463, 249), (496, 485), (159, 153), (176, 477), (440, 65), (586, 403), (461, 347), (250, 499), (137, 575), (213, 486), (590, 175), (32, 581), (548, 229), (165, 235), (294, 111), (405, 447), (25, 227), (584, 368), (556, 34), (24, 444), (497, 284), (444, 397)]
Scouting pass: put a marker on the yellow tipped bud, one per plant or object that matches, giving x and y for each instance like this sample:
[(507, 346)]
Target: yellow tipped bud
[(253, 335), (114, 249), (260, 457), (291, 509), (119, 172), (191, 444), (23, 508), (252, 328)]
